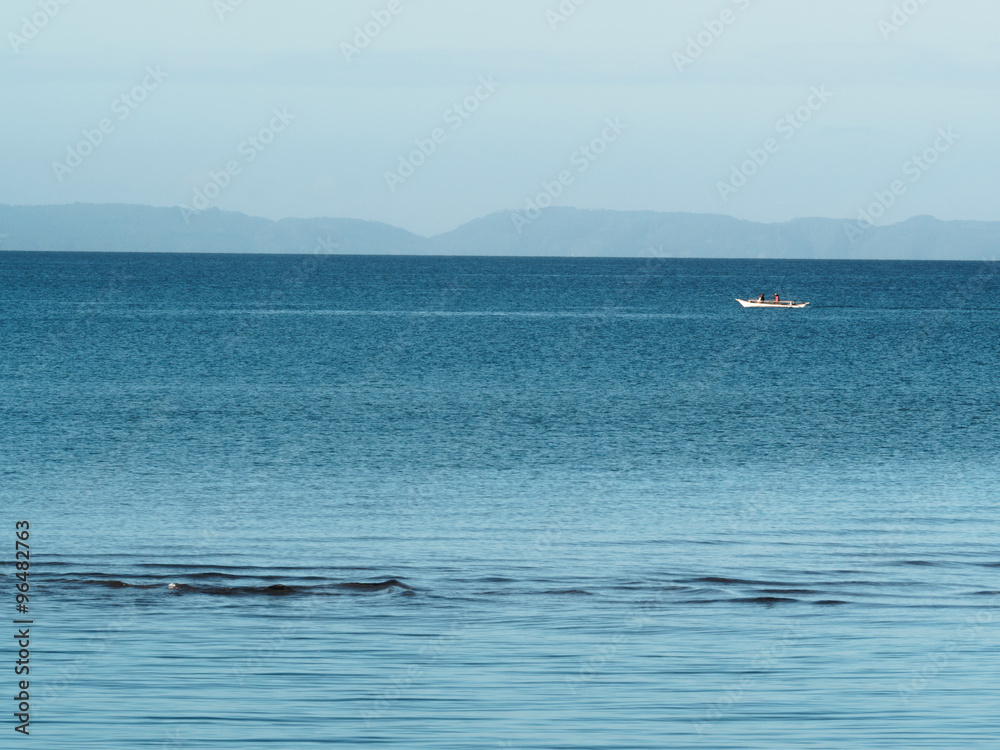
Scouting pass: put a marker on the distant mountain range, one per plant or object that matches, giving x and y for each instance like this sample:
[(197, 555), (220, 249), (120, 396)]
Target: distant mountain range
[(554, 232)]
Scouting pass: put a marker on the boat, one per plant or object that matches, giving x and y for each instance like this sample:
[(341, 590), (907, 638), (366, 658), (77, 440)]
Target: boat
[(770, 303)]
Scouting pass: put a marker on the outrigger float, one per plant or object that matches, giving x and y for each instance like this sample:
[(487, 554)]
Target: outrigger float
[(770, 303)]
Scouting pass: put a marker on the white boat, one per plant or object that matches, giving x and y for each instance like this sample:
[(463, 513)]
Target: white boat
[(770, 303)]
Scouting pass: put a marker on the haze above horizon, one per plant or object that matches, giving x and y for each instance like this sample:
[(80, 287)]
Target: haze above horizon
[(428, 115)]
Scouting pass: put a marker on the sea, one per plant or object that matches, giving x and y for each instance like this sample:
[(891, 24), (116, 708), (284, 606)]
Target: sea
[(461, 502)]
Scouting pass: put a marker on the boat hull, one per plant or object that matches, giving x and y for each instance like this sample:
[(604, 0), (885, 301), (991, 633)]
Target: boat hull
[(755, 303)]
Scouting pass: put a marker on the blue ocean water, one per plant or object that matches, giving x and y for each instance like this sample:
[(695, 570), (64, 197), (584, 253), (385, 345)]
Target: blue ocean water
[(497, 502)]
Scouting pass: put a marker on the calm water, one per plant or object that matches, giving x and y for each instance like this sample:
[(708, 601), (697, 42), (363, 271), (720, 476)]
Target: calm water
[(522, 503)]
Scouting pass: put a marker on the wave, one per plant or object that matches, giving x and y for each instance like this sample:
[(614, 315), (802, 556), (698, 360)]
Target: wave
[(116, 584), (763, 599), (276, 589), (731, 581), (273, 589), (381, 586), (818, 588)]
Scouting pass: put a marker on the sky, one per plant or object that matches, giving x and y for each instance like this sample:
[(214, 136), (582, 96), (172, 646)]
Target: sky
[(426, 114)]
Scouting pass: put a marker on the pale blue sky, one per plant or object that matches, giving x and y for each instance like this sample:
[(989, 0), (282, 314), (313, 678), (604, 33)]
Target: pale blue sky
[(890, 93)]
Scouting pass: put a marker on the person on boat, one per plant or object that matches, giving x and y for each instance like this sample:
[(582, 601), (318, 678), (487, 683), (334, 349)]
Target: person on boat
[(776, 297), (760, 298)]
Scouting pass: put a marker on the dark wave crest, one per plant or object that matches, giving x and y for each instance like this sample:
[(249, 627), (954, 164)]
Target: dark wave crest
[(381, 586), (195, 586)]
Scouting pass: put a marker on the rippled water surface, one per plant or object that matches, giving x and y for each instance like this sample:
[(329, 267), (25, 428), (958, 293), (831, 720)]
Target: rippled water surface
[(523, 503)]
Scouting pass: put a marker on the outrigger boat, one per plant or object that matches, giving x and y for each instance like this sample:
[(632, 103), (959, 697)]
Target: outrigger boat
[(770, 303)]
